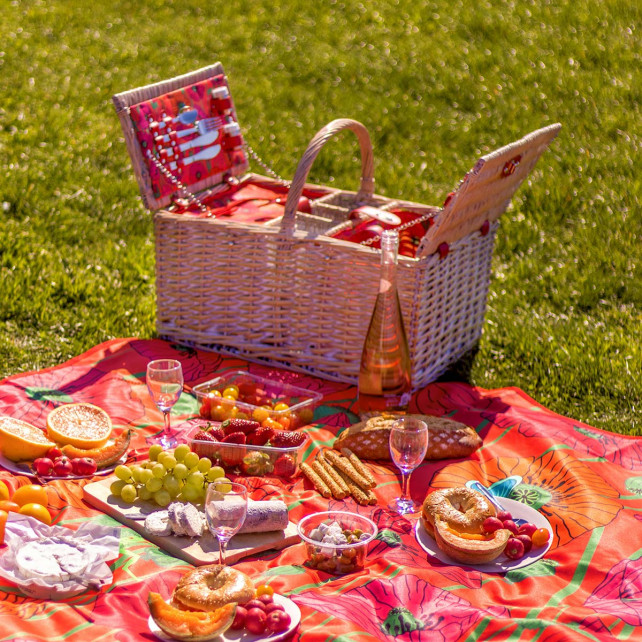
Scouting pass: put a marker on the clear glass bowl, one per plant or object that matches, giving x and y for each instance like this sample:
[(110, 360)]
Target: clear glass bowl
[(258, 398), (336, 558)]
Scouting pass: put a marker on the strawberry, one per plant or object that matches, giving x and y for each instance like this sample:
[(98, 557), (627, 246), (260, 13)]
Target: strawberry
[(287, 439), (217, 433), (245, 426), (235, 438), (285, 466), (232, 455), (201, 435), (260, 437)]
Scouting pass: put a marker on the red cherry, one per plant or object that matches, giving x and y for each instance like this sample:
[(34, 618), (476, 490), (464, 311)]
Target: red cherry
[(503, 515), (443, 250), (277, 621), (511, 526), (273, 607), (514, 549), (62, 467), (239, 618), (255, 604), (527, 541), (43, 466), (54, 453), (485, 228), (492, 524), (255, 621), (527, 529), (266, 599)]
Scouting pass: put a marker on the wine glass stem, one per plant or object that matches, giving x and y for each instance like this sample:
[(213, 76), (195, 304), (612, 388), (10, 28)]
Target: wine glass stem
[(166, 414), (221, 551), (405, 483)]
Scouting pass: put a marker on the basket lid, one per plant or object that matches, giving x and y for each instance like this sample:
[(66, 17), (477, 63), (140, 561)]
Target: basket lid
[(182, 132)]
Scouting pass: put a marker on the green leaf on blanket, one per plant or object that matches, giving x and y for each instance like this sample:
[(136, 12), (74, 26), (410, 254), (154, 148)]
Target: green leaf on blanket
[(47, 394), (541, 568)]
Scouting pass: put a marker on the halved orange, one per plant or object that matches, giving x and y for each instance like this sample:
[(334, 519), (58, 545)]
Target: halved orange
[(80, 424), (20, 440)]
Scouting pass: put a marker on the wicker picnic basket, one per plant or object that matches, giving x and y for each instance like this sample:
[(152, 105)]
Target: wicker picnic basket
[(285, 293)]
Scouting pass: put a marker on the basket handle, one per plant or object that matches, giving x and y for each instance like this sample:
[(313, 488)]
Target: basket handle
[(366, 188)]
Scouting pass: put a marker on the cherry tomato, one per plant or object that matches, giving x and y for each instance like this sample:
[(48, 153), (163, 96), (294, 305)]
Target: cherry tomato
[(9, 507), (264, 589), (281, 406), (37, 511), (231, 392), (270, 423), (206, 407), (540, 537), (218, 413), (285, 422), (260, 414), (31, 494)]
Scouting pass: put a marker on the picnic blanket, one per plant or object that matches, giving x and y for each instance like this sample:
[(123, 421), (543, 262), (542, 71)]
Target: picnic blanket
[(587, 482)]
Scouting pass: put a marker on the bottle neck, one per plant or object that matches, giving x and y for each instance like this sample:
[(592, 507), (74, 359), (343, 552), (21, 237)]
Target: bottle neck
[(389, 248)]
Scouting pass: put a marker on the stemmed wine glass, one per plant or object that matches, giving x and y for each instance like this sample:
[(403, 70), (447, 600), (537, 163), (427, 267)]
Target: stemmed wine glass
[(408, 445), (225, 510), (165, 384)]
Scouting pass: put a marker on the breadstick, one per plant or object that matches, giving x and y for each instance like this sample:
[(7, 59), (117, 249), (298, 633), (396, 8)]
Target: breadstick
[(345, 466), (335, 489), (360, 467), (327, 466), (363, 497), (319, 485)]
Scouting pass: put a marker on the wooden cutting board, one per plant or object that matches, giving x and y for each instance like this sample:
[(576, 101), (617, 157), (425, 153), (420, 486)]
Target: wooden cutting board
[(197, 551)]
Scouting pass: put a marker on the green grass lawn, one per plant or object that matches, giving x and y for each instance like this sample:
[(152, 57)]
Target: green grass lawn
[(437, 84)]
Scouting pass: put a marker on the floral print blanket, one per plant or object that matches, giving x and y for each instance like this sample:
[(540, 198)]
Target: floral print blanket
[(586, 482)]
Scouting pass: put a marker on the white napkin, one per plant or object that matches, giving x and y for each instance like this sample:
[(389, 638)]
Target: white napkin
[(100, 545)]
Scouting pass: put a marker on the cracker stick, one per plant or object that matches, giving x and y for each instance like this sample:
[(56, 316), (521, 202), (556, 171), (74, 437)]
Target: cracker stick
[(335, 489), (360, 467), (332, 472), (345, 466), (319, 485), (363, 497)]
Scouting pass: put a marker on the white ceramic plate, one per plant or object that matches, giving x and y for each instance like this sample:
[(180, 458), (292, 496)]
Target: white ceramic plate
[(521, 514), (245, 636), (23, 469)]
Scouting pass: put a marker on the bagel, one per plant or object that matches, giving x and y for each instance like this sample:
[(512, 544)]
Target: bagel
[(461, 508), (208, 588)]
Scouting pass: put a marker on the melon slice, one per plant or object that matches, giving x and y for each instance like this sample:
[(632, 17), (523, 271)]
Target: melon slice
[(104, 456), (464, 548), (20, 441), (80, 424), (190, 625)]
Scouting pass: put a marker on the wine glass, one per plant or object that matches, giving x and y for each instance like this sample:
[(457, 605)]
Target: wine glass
[(165, 384), (408, 445), (225, 510)]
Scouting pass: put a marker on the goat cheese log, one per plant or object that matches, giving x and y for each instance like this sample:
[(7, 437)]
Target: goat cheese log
[(261, 517)]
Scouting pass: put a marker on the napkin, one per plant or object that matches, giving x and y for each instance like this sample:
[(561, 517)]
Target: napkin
[(98, 544)]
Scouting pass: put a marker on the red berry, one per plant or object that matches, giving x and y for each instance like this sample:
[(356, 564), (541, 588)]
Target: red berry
[(287, 439), (54, 453), (239, 618), (255, 621), (526, 540), (273, 607), (254, 604), (83, 466), (285, 466), (492, 524), (201, 435), (443, 250), (503, 515), (235, 438), (62, 467), (266, 599), (527, 529), (260, 436), (514, 549), (277, 621), (485, 228), (43, 466), (511, 526)]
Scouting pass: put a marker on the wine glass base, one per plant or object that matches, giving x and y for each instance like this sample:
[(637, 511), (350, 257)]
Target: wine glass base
[(404, 506), (167, 442)]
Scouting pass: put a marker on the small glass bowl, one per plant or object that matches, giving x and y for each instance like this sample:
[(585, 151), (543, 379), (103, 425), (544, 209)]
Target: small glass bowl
[(338, 559)]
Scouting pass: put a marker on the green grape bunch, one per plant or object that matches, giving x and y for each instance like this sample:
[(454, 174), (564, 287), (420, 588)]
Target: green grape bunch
[(167, 476)]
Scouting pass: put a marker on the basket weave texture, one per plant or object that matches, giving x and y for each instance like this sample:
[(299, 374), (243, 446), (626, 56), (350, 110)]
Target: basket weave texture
[(287, 295)]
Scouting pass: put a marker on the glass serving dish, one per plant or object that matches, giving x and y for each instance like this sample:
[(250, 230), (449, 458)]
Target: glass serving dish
[(247, 396), (333, 556), (247, 459)]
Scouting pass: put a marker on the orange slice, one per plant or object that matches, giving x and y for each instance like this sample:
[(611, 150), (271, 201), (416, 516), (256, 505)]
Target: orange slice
[(20, 441), (80, 424)]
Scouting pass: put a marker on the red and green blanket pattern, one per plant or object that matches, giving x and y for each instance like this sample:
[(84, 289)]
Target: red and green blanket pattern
[(587, 482)]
